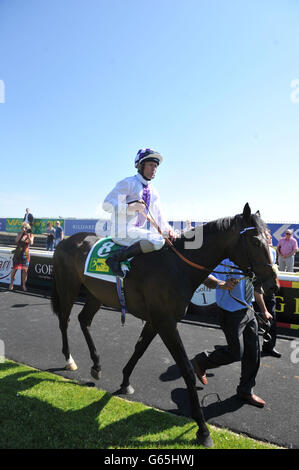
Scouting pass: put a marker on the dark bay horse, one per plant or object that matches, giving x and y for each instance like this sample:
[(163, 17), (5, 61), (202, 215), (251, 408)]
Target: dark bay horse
[(158, 289)]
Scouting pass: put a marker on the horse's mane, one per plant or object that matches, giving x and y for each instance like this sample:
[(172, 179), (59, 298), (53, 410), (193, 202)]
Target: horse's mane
[(231, 223), (223, 225)]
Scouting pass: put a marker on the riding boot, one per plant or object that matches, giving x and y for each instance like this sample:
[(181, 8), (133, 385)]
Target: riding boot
[(114, 260)]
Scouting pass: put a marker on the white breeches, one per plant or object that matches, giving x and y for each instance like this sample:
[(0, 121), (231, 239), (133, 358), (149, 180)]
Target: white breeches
[(135, 234)]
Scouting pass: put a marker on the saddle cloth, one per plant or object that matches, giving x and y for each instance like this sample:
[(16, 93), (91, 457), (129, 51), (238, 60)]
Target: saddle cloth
[(95, 264)]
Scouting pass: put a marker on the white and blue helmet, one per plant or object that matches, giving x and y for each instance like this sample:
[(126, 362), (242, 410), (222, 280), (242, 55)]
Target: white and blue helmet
[(147, 155)]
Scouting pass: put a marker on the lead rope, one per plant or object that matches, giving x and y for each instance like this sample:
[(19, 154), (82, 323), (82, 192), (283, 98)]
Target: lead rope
[(260, 319)]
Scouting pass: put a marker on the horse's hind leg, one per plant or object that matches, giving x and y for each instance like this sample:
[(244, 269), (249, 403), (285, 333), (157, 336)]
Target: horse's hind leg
[(64, 295), (70, 363), (173, 342), (85, 317), (145, 339)]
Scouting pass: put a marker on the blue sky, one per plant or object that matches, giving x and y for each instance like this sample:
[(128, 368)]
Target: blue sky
[(207, 83)]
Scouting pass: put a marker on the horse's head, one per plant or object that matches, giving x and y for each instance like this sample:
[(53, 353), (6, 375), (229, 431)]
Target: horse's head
[(251, 252)]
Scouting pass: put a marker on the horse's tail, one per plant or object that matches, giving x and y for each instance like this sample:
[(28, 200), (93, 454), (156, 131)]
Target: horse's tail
[(55, 298), (66, 282)]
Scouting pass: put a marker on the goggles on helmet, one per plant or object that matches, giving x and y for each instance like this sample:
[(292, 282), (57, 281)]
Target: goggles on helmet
[(147, 154)]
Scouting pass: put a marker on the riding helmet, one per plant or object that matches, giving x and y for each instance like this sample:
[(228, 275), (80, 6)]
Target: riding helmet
[(147, 155)]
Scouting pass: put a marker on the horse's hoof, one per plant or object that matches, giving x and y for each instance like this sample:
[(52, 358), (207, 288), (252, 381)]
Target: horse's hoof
[(71, 366), (126, 390), (204, 439), (96, 374)]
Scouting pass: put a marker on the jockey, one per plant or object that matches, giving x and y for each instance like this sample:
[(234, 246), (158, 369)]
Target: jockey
[(130, 199)]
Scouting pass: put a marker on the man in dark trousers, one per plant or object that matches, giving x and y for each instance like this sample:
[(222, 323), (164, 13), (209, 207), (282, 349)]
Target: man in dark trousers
[(240, 327), (269, 342), (28, 217)]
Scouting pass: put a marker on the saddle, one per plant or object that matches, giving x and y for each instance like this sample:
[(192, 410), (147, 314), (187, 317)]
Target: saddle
[(95, 265)]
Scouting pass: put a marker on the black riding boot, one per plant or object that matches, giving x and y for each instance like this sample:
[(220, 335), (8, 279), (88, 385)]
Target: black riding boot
[(114, 260)]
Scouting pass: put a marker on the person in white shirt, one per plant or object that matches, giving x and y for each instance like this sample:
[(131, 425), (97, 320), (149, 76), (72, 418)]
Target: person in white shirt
[(129, 202)]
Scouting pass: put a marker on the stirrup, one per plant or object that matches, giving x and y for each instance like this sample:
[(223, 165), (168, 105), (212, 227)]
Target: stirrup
[(115, 268)]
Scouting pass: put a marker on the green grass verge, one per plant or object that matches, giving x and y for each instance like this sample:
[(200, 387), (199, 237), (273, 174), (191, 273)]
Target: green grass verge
[(40, 410)]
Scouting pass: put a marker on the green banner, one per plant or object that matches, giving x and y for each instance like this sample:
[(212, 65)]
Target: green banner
[(13, 225), (39, 225)]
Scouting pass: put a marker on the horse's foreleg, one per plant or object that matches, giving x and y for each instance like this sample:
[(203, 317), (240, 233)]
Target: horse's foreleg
[(145, 339), (85, 317), (173, 342)]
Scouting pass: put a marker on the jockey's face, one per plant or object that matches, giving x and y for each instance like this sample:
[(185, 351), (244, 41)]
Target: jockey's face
[(150, 169)]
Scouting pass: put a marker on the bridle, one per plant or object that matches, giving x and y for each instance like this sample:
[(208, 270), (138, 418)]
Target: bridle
[(247, 273), (250, 270)]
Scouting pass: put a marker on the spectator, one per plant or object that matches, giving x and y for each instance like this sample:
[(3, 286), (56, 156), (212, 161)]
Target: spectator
[(58, 233), (50, 232), (188, 227), (241, 331), (286, 249), (21, 258), (28, 217)]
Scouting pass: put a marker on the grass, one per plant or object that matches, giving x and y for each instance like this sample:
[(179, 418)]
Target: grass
[(40, 410)]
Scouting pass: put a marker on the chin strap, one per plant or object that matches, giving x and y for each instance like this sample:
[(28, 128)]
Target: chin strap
[(141, 172)]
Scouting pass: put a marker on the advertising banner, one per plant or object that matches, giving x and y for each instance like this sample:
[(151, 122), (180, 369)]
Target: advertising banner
[(71, 226), (79, 225), (13, 225), (6, 268), (40, 270), (287, 303), (39, 225), (99, 226)]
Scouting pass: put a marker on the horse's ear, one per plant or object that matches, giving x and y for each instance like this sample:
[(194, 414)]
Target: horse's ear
[(258, 214), (246, 212)]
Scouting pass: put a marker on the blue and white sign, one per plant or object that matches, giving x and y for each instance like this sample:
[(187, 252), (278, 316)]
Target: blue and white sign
[(99, 226), (72, 226), (2, 225)]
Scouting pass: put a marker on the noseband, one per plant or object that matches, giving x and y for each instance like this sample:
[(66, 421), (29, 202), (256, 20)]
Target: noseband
[(249, 271)]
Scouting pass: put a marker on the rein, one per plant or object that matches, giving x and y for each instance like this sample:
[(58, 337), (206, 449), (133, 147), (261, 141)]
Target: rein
[(152, 221)]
